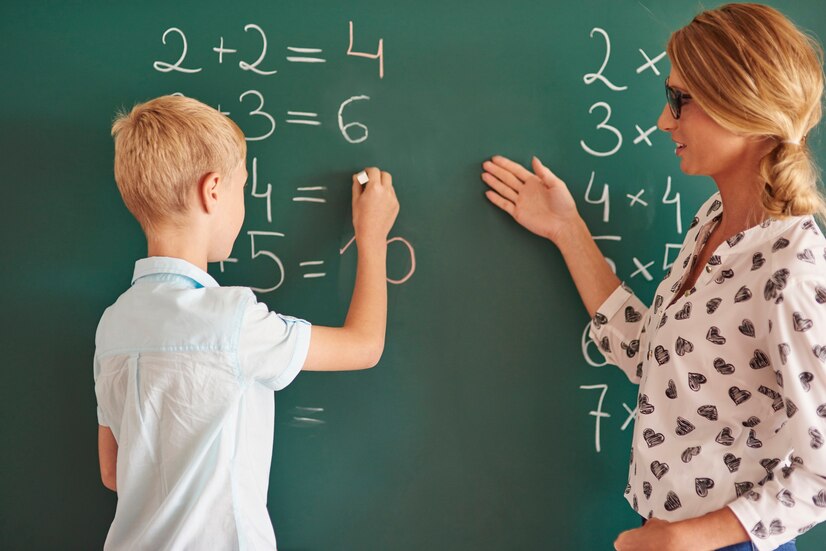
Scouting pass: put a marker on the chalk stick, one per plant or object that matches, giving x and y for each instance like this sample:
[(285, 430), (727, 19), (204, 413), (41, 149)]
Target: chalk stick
[(362, 177)]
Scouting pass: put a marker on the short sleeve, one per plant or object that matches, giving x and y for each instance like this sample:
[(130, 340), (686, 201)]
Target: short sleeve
[(271, 347), (96, 372), (616, 328)]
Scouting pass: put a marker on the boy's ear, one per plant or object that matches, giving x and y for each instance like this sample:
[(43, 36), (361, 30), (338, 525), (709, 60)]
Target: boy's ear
[(208, 188)]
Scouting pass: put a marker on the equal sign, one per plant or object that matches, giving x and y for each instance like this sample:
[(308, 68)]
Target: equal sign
[(303, 121), (311, 199), (304, 417), (303, 59), (313, 263)]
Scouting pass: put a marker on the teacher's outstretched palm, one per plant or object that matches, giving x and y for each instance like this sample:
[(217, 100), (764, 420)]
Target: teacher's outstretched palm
[(538, 200)]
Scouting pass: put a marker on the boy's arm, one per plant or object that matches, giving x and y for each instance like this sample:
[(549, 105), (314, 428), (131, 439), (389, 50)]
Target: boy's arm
[(360, 342), (108, 454)]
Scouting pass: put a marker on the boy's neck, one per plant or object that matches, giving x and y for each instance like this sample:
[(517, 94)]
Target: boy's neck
[(186, 243)]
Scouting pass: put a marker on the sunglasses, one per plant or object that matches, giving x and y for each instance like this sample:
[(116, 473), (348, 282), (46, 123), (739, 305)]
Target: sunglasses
[(676, 99)]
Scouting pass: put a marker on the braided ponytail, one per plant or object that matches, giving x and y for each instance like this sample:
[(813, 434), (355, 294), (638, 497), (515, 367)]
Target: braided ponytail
[(791, 181)]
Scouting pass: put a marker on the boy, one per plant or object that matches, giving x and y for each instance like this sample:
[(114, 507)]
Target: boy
[(185, 369)]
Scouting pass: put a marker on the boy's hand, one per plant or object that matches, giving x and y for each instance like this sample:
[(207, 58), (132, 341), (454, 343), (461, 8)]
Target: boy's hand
[(375, 207)]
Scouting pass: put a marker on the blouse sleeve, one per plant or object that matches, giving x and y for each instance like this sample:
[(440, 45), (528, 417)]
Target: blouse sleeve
[(617, 328), (792, 498)]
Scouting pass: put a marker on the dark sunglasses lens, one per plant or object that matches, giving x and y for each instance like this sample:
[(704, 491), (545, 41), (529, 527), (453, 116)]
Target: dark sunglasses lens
[(674, 101)]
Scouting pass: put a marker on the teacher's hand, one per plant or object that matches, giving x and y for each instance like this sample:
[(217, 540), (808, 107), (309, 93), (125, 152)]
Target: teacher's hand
[(538, 200), (656, 535)]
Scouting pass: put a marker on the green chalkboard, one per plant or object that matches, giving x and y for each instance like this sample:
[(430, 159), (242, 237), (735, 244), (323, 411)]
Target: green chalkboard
[(474, 431)]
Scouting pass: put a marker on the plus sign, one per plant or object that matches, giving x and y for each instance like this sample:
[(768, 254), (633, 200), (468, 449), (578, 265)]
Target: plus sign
[(220, 50)]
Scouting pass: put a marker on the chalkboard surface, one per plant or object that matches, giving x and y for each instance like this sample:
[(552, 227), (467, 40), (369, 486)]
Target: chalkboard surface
[(489, 423)]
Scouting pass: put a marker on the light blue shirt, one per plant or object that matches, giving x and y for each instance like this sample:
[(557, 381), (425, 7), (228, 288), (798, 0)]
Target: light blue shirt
[(184, 377)]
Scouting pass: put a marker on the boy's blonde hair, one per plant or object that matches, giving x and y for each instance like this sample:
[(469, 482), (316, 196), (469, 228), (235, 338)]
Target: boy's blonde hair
[(756, 74), (164, 147)]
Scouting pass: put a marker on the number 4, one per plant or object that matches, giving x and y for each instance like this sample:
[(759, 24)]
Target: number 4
[(378, 55)]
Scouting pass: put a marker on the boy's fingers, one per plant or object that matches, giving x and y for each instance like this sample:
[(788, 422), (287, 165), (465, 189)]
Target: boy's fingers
[(374, 174), (386, 178), (357, 190)]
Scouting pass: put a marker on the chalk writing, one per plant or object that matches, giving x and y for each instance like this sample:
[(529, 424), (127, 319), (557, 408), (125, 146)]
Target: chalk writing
[(603, 126), (590, 78), (312, 275), (168, 67), (586, 342), (220, 50), (254, 66), (269, 254), (642, 269), (669, 247), (306, 199), (673, 201), (345, 128), (643, 134), (305, 117), (632, 415), (378, 55), (258, 195), (598, 413), (305, 59), (410, 250), (258, 112), (636, 199), (604, 198), (650, 63)]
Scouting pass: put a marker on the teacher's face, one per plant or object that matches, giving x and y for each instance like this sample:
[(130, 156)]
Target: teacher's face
[(703, 146)]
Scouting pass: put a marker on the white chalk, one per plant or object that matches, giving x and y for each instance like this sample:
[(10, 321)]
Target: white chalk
[(362, 177)]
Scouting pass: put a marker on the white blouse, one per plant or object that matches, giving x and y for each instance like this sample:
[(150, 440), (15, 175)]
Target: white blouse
[(732, 379)]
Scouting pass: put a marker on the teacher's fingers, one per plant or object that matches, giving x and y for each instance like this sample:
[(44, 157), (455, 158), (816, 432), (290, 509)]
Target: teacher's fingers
[(514, 168), (504, 175), (499, 187), (543, 171), (500, 202)]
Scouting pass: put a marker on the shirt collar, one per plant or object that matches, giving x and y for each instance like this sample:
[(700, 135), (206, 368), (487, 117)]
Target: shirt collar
[(155, 265), (746, 241)]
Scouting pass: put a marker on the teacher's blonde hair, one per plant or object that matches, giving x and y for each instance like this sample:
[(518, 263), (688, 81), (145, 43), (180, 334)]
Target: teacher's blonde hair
[(756, 74)]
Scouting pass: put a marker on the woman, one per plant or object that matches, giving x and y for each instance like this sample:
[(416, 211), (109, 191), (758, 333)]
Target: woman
[(728, 446)]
